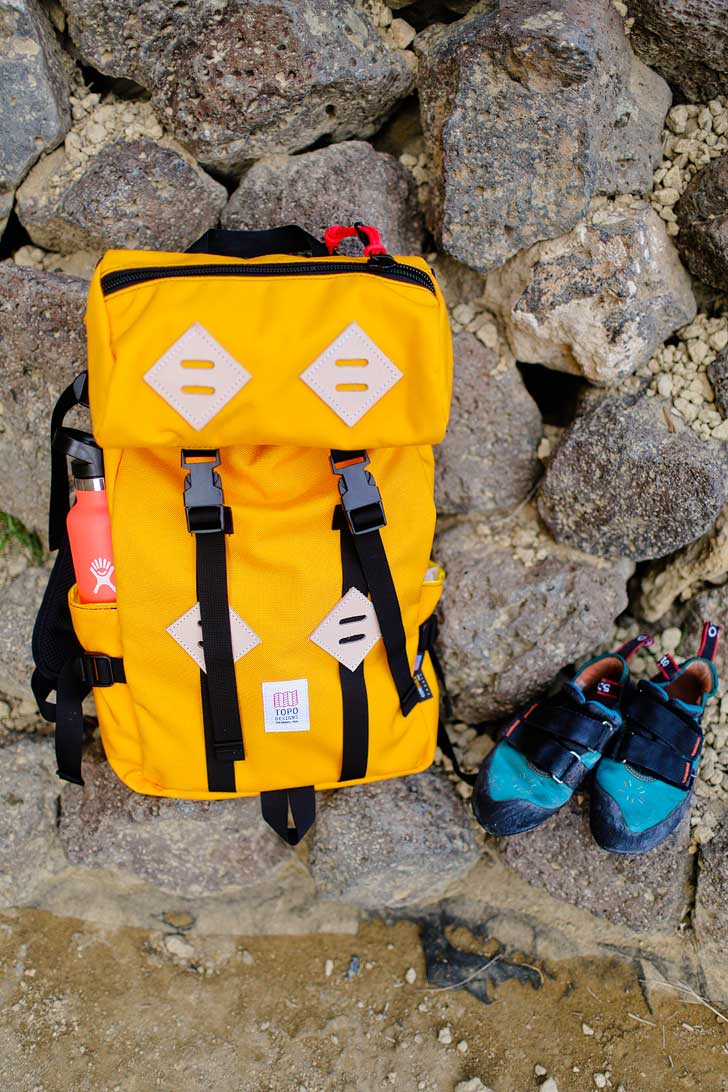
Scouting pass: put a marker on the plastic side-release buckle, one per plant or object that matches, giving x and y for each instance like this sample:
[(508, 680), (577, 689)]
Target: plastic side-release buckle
[(96, 669), (203, 497), (360, 497)]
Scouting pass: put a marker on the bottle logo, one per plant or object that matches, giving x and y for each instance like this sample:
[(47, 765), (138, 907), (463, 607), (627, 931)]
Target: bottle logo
[(102, 570)]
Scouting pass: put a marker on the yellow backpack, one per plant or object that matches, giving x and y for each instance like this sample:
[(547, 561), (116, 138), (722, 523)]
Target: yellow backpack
[(266, 423)]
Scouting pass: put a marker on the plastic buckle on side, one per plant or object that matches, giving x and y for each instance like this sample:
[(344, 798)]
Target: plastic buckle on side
[(203, 496), (96, 669), (360, 497)]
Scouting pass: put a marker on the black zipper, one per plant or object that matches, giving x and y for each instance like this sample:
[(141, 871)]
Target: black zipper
[(379, 266)]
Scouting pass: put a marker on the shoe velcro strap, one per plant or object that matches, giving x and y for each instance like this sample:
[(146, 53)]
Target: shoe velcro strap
[(548, 754), (654, 757), (648, 717), (570, 725)]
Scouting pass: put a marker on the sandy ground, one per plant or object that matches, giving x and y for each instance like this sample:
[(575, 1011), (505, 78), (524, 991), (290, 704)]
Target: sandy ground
[(87, 1009)]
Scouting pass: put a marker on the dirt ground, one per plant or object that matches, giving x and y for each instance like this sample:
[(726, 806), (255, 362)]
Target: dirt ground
[(86, 1009)]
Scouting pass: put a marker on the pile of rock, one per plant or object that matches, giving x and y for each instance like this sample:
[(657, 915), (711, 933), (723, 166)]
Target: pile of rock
[(578, 226)]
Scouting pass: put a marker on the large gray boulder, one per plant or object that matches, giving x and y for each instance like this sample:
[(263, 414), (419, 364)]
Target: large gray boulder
[(599, 301), (518, 608), (248, 78), (487, 462), (134, 194), (42, 348), (336, 185), (686, 41), (19, 603), (28, 817), (628, 481), (711, 902), (648, 893), (35, 114), (528, 112), (702, 213), (392, 844), (186, 847)]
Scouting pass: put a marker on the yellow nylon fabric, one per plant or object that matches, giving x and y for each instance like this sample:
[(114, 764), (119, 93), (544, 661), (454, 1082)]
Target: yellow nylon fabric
[(284, 562)]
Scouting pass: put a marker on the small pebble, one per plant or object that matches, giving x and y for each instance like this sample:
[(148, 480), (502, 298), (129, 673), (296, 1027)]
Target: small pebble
[(587, 1029), (462, 1046), (540, 1071), (329, 968), (600, 1080), (444, 1036), (549, 1085), (411, 975)]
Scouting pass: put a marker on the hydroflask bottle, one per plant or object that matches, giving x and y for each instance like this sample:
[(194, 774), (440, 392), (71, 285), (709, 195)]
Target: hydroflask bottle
[(89, 525)]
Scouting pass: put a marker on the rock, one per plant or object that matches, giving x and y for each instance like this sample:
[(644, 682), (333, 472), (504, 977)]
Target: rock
[(646, 893), (709, 605), (473, 1085), (392, 844), (19, 603), (718, 376), (42, 348), (702, 214), (28, 811), (686, 41), (621, 484), (487, 461), (185, 847), (251, 77), (34, 100), (682, 574), (524, 127), (130, 194), (518, 609), (711, 901), (599, 301), (336, 185)]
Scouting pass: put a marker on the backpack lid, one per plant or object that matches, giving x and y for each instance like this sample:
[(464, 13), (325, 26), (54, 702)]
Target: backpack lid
[(199, 350)]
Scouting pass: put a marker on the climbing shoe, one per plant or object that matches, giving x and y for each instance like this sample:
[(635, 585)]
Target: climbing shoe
[(643, 786), (547, 751)]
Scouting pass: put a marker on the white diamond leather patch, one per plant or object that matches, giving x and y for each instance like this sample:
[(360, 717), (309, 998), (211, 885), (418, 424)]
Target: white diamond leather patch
[(196, 376), (352, 374), (350, 630), (187, 632)]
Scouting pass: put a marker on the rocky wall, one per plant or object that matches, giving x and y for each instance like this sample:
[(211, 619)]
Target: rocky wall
[(564, 168)]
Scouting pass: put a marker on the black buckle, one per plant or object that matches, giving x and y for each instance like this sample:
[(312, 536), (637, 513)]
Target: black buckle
[(96, 669), (204, 508), (360, 498)]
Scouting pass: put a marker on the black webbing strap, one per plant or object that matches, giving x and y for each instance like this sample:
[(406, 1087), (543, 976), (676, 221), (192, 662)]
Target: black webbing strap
[(209, 521), (655, 758), (648, 716), (274, 806), (373, 560), (362, 505), (355, 704), (75, 680), (565, 723), (74, 395), (290, 239)]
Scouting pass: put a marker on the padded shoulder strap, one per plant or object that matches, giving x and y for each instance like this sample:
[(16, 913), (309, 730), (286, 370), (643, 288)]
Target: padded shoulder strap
[(290, 239), (74, 395)]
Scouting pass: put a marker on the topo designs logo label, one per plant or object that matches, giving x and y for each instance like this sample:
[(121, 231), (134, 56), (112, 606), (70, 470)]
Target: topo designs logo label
[(285, 706)]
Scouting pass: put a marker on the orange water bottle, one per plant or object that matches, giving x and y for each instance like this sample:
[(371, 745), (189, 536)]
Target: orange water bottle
[(89, 525)]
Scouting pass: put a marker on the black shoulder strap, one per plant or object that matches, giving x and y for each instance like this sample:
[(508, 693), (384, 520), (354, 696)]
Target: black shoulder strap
[(290, 239), (74, 395)]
